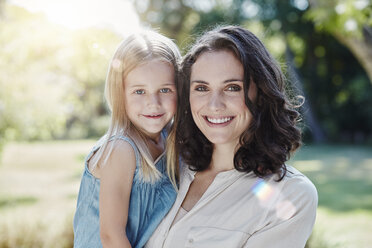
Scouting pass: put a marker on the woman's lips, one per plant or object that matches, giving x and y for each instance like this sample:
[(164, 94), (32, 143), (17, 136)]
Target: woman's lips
[(218, 121)]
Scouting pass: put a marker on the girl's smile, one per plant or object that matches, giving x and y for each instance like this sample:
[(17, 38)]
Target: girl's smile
[(154, 116), (151, 96)]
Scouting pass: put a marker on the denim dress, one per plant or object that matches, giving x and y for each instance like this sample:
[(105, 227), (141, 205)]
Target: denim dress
[(149, 203)]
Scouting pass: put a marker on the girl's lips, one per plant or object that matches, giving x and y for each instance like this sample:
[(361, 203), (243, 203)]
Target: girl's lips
[(153, 116), (218, 121)]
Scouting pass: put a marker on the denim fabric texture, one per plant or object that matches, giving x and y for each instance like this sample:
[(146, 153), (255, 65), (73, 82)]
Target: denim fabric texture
[(149, 203)]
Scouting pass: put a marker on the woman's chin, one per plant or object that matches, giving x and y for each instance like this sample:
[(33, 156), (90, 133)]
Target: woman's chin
[(221, 139)]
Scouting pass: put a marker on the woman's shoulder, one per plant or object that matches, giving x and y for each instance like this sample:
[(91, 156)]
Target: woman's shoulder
[(297, 186), (294, 187), (296, 178), (185, 168)]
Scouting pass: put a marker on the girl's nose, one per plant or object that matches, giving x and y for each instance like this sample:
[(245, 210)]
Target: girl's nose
[(153, 100)]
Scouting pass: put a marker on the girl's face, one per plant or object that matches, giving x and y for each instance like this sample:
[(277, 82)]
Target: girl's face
[(217, 97), (150, 96)]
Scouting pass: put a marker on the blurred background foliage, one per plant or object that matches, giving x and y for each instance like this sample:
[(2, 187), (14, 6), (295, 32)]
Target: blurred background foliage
[(52, 78), (51, 94)]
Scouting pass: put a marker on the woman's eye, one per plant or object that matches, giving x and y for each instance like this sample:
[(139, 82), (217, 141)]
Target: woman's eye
[(165, 90), (201, 88), (234, 88), (139, 92)]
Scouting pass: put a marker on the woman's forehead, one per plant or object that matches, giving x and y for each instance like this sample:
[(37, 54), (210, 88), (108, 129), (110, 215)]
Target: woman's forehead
[(212, 65)]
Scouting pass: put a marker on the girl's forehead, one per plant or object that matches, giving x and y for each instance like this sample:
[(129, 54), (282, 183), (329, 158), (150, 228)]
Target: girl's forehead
[(152, 73)]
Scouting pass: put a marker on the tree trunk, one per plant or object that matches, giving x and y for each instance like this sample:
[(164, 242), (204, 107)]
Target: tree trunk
[(361, 49)]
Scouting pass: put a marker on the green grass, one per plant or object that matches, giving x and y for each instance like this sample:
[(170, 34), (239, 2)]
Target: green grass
[(342, 176), (9, 201), (39, 183)]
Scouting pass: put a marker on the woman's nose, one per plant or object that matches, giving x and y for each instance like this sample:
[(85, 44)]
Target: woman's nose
[(216, 102)]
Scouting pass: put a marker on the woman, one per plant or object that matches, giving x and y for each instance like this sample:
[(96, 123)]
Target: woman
[(235, 132)]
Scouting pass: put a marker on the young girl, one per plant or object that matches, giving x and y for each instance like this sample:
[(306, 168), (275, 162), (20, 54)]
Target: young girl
[(125, 190)]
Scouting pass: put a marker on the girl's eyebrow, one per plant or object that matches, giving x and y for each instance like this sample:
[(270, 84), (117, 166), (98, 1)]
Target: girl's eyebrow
[(225, 82), (143, 85), (198, 82), (169, 84)]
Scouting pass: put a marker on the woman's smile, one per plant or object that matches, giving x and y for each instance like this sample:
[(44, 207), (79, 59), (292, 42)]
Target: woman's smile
[(218, 121), (217, 97)]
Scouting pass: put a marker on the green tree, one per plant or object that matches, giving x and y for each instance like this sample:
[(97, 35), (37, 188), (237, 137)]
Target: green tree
[(89, 54), (51, 78), (174, 18), (30, 88), (331, 77), (350, 22)]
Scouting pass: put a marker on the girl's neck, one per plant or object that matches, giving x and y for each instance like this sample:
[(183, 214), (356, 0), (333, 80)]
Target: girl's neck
[(156, 145), (155, 139)]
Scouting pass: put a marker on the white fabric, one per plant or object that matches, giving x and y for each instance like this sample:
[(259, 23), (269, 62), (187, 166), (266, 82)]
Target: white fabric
[(181, 212), (242, 210)]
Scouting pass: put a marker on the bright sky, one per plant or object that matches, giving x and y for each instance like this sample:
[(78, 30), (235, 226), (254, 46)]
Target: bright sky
[(118, 15)]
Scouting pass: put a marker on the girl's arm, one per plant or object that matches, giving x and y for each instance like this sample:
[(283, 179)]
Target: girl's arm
[(116, 184)]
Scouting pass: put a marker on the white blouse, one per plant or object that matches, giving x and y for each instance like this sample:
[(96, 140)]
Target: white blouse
[(241, 210)]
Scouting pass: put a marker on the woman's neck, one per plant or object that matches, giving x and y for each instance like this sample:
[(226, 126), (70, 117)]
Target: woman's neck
[(223, 157)]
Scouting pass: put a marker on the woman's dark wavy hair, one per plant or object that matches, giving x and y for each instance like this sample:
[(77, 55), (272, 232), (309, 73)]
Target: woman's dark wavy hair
[(272, 135)]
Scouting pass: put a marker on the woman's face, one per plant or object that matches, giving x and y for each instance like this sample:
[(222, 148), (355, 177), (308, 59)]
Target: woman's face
[(217, 97)]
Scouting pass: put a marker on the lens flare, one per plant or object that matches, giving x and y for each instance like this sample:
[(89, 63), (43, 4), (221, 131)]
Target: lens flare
[(116, 65), (263, 191), (285, 210)]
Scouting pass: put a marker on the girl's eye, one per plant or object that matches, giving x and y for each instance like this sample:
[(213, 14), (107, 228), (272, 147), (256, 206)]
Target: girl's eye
[(200, 88), (139, 92), (165, 90), (234, 88)]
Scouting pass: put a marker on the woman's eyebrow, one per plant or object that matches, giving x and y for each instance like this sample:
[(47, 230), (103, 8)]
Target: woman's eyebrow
[(233, 80)]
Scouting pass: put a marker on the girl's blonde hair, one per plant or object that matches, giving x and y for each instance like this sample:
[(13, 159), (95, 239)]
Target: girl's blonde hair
[(135, 50)]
